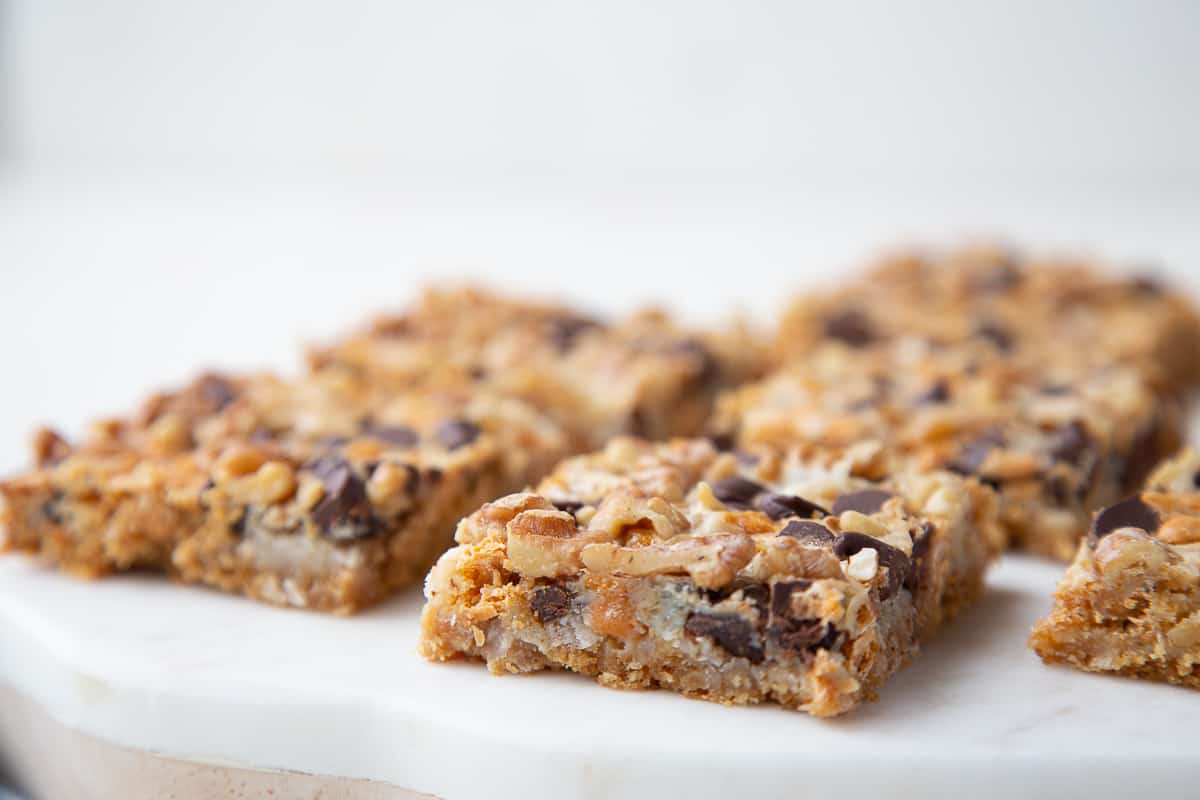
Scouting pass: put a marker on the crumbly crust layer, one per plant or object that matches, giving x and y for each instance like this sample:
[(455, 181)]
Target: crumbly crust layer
[(1130, 602), (764, 577)]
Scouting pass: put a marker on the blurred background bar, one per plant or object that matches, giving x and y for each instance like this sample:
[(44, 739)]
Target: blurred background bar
[(184, 184)]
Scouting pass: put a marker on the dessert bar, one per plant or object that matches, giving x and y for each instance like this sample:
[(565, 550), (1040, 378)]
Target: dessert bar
[(734, 578), (1130, 602), (318, 494)]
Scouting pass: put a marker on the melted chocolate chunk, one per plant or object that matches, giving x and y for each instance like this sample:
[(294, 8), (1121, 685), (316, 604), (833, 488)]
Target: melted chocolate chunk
[(808, 531), (781, 596), (920, 558), (895, 560), (456, 433), (778, 506), (804, 636), (865, 501), (1132, 512), (852, 327), (217, 391), (564, 332), (938, 393), (344, 513), (995, 333), (1196, 480), (1071, 444), (731, 631), (757, 595), (569, 506), (737, 492), (394, 435), (550, 602)]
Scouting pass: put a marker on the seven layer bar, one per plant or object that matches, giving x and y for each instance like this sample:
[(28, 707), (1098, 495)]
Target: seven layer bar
[(764, 577), (1054, 440), (1130, 602), (334, 491)]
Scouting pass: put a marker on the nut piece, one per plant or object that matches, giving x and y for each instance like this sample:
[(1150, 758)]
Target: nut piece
[(1127, 547), (274, 482), (543, 522), (541, 544), (711, 561), (620, 511), (236, 462)]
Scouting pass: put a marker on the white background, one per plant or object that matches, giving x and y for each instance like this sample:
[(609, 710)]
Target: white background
[(194, 184)]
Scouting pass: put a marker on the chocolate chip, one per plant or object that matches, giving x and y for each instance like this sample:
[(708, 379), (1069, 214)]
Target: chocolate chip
[(864, 501), (1004, 276), (1196, 480), (723, 442), (238, 527), (731, 631), (344, 513), (1071, 443), (1147, 285), (564, 332), (456, 433), (894, 559), (1132, 512), (737, 492), (638, 424), (217, 391), (778, 506), (395, 435), (550, 602), (995, 333), (569, 506), (1142, 457), (850, 326), (973, 455), (939, 392), (808, 531)]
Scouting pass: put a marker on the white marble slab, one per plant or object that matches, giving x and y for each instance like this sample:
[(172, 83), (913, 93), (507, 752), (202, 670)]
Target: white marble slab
[(193, 674)]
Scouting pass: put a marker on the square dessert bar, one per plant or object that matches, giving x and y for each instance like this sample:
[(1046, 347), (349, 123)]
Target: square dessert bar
[(642, 374), (740, 579), (319, 494), (1050, 310), (1130, 602), (1055, 441)]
